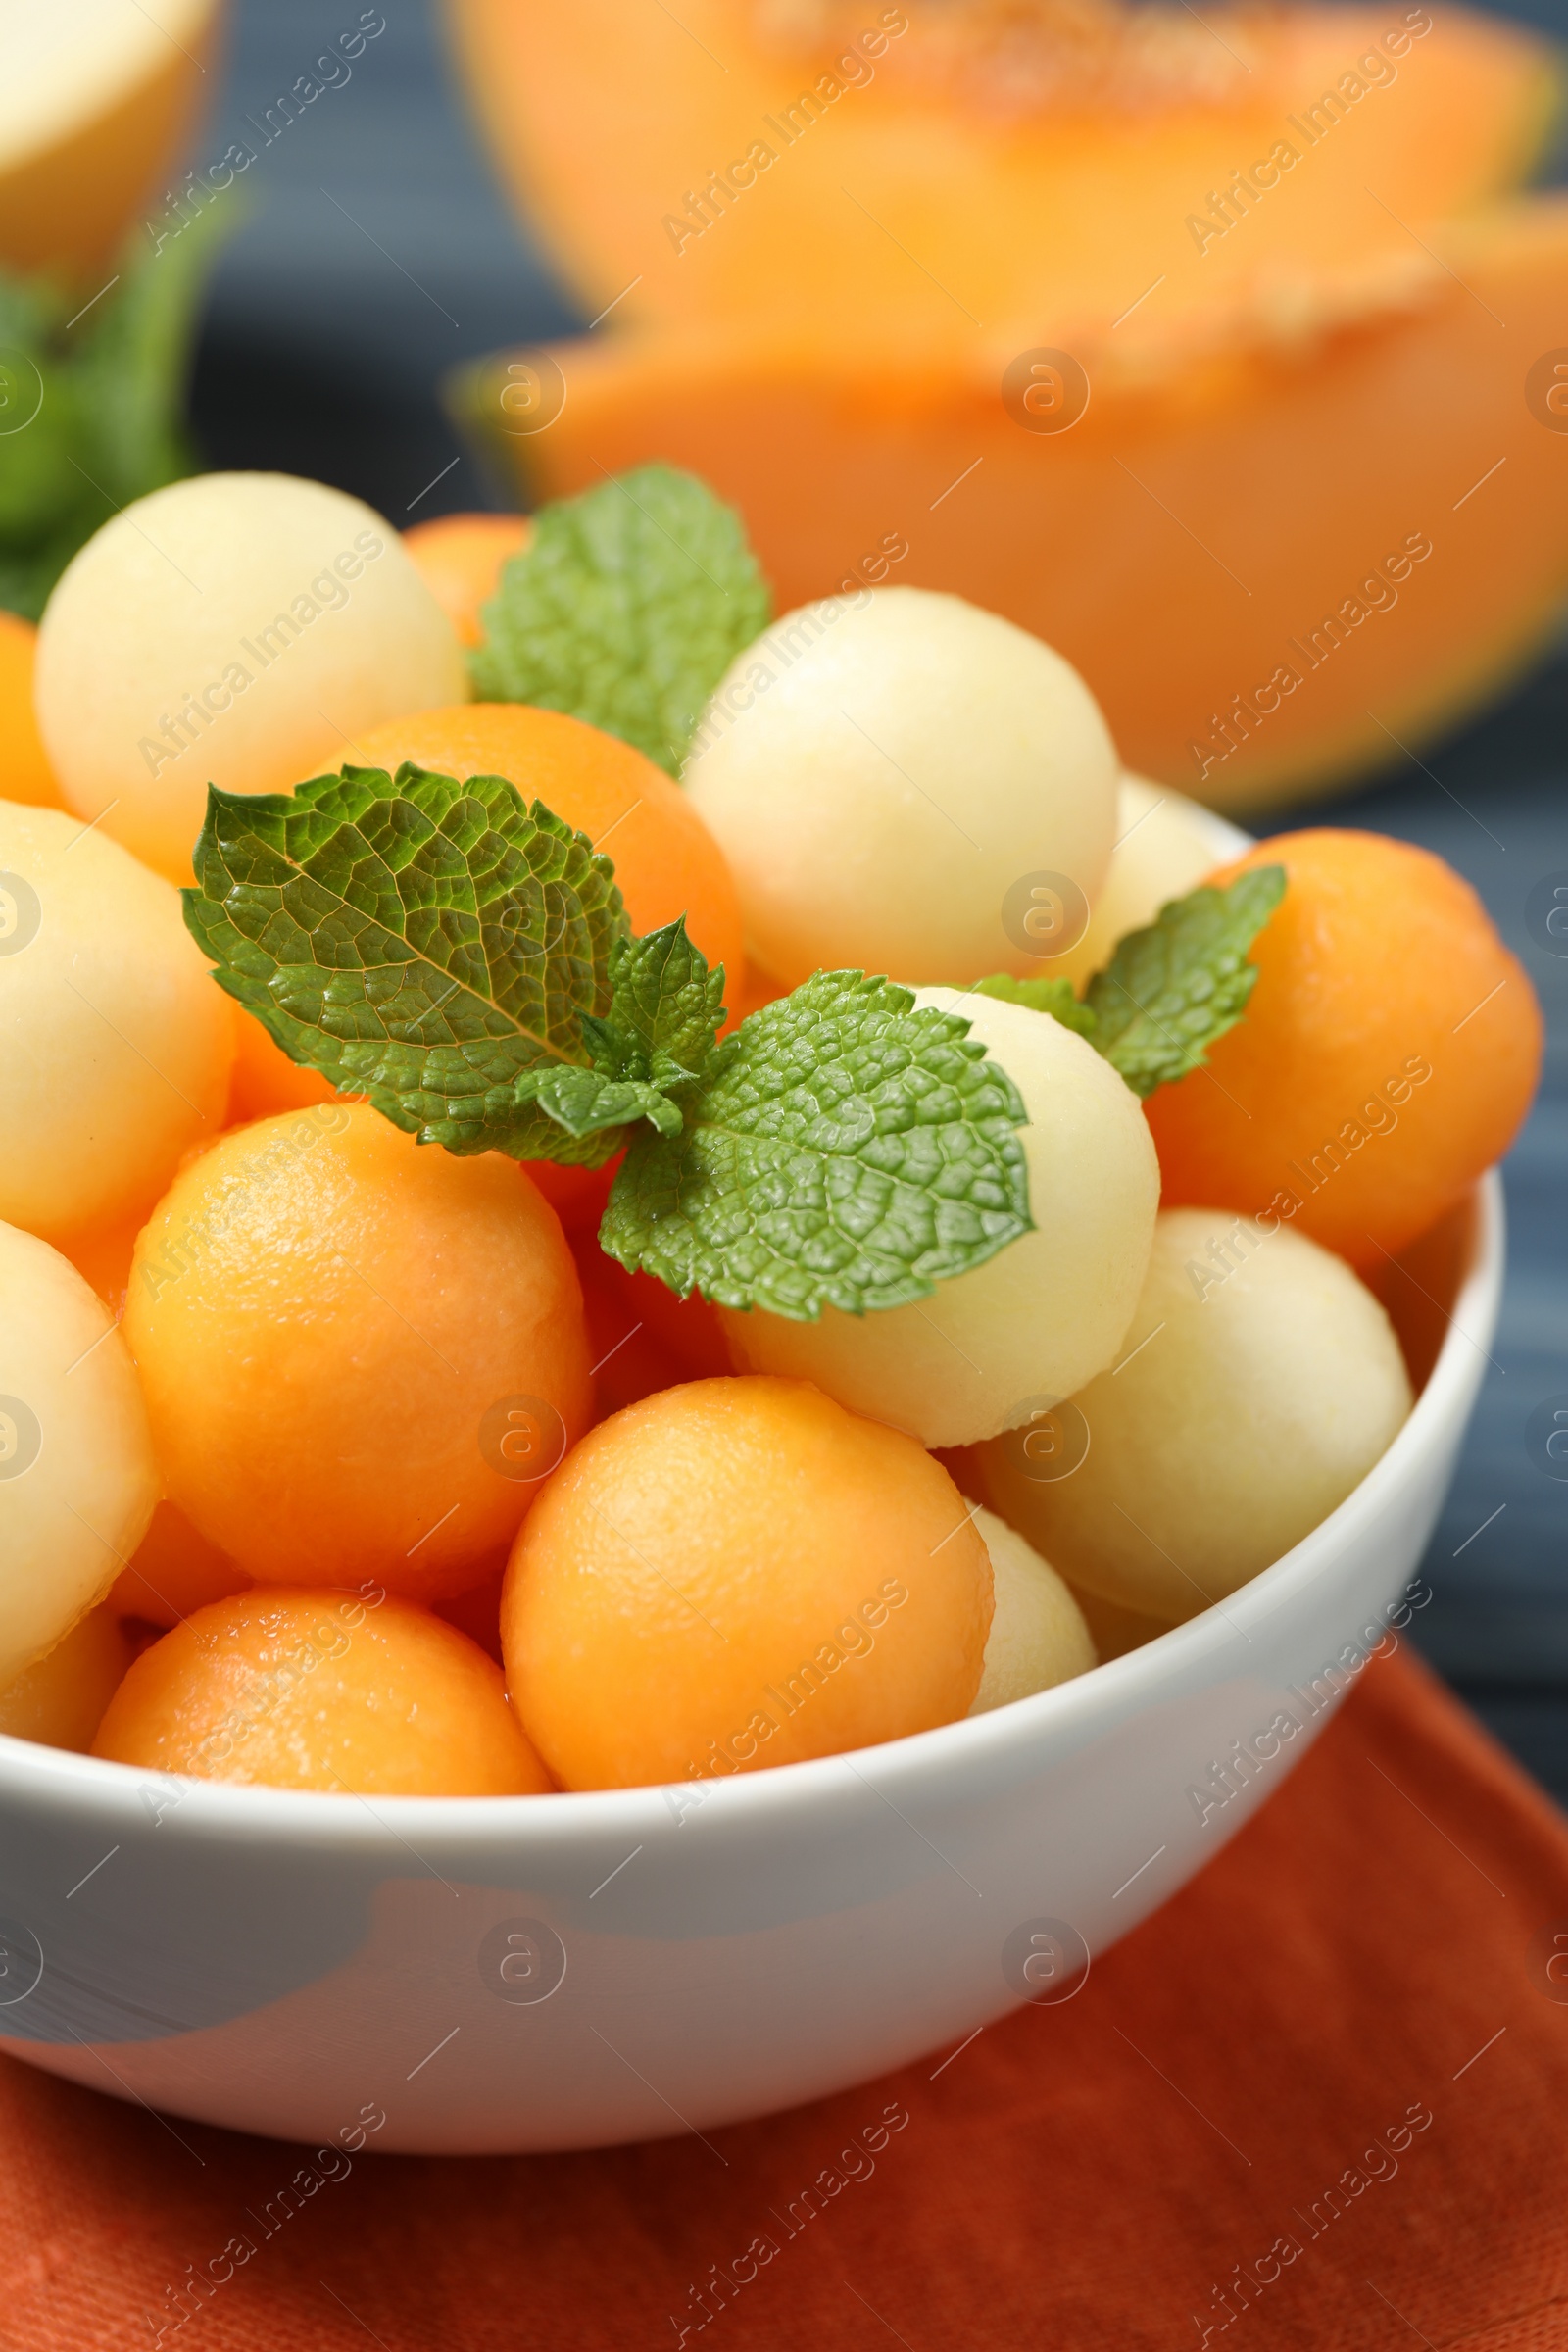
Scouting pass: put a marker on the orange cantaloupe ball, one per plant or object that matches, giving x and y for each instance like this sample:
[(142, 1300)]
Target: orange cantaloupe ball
[(174, 1572), (1387, 1055), (738, 1573), (25, 771), (59, 1701), (349, 1343), (666, 860), (460, 559), (329, 1691)]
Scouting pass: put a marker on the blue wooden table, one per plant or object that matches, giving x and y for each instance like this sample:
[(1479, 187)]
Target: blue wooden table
[(379, 253)]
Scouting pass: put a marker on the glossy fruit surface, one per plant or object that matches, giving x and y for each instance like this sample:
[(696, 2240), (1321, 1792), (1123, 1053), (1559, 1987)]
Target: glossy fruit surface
[(328, 1690)]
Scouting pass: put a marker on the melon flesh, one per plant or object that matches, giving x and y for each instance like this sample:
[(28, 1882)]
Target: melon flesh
[(925, 193), (96, 97), (1242, 475)]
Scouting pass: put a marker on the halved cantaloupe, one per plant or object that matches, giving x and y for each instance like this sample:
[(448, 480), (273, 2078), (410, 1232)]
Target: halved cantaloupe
[(1231, 544), (96, 99), (987, 163)]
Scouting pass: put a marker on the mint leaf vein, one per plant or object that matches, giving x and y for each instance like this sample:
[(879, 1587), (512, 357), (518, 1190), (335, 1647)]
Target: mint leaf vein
[(846, 1148), (435, 945)]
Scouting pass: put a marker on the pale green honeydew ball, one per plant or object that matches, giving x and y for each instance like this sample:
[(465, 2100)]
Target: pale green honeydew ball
[(1165, 845), (1246, 1406), (78, 1480), (115, 1040), (1048, 1311), (1038, 1637), (235, 629), (882, 772)]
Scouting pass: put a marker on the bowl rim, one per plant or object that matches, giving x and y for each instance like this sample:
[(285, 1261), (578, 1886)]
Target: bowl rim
[(317, 1821)]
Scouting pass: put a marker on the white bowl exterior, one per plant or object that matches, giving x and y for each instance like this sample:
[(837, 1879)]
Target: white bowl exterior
[(287, 1962)]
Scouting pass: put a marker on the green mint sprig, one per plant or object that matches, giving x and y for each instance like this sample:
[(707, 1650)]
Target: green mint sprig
[(844, 1148), (465, 961), (625, 609), (1170, 989)]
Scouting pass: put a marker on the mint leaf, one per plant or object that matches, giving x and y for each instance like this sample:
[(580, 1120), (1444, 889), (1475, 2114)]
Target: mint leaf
[(1054, 996), (104, 389), (667, 1007), (1171, 990), (586, 1102), (436, 946), (625, 609), (844, 1149)]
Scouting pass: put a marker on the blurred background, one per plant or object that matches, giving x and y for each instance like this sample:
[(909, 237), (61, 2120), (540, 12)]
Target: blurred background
[(380, 251)]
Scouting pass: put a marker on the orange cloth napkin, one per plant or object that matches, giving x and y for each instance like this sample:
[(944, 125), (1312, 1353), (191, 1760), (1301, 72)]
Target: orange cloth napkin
[(1320, 2099)]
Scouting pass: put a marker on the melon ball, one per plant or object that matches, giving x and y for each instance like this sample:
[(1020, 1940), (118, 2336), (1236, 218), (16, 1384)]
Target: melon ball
[(78, 1480), (1261, 1380), (1038, 1636), (360, 1355), (892, 778), (737, 1573), (1045, 1313), (59, 1701), (114, 1043), (326, 1691), (1114, 1630), (232, 630), (1165, 845)]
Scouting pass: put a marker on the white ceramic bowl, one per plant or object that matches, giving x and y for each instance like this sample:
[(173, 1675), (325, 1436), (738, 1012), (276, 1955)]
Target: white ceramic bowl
[(559, 1972)]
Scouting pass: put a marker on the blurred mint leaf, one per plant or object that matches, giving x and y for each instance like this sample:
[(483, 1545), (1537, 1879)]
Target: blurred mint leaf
[(1171, 990), (625, 609), (437, 945), (844, 1148), (1054, 996), (102, 391)]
